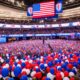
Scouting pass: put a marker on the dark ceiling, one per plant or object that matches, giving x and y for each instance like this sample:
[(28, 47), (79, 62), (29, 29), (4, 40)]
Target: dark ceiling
[(30, 2), (66, 3)]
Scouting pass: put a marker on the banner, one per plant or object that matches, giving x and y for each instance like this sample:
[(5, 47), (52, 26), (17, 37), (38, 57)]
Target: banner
[(29, 11), (59, 6)]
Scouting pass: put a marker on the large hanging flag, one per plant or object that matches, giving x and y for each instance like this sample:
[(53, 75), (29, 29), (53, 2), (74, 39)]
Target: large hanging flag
[(45, 9)]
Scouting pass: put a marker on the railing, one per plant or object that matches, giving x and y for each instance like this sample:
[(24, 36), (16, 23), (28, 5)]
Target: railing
[(69, 24)]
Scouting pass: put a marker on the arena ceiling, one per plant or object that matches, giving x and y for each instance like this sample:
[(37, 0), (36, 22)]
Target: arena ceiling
[(37, 1), (21, 3), (70, 6), (66, 3)]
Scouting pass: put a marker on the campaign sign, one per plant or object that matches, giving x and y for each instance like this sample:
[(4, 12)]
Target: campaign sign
[(59, 7), (29, 11)]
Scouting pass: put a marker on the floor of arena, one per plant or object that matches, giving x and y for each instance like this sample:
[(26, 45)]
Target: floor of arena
[(48, 60)]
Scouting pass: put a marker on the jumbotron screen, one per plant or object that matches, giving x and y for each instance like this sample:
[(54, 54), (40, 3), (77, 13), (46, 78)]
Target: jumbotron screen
[(45, 9)]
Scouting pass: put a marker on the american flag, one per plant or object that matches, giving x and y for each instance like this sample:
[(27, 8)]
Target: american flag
[(45, 9)]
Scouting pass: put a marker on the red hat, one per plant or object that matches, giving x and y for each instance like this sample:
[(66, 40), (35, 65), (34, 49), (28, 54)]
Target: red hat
[(50, 58), (23, 73), (38, 75), (72, 78), (28, 66), (70, 66), (19, 62), (58, 76), (48, 69), (44, 78), (66, 74)]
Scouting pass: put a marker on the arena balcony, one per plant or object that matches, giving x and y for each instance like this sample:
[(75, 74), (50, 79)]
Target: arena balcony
[(8, 13), (22, 4), (67, 4), (32, 22), (14, 4), (39, 31)]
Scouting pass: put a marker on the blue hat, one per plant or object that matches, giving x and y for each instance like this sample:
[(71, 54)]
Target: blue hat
[(64, 65), (42, 66), (50, 64), (78, 62), (48, 79), (45, 58), (75, 64), (59, 60), (11, 79), (15, 63), (74, 71), (38, 62), (37, 70), (7, 61), (5, 72), (52, 71), (77, 54), (17, 71), (52, 55), (60, 51), (60, 69), (10, 67), (23, 65), (71, 55), (67, 69), (24, 77), (23, 58)]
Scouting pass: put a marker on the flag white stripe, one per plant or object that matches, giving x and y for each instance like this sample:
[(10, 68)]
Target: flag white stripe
[(43, 14)]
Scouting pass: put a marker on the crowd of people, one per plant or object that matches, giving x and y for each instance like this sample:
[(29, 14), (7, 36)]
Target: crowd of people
[(38, 21), (33, 60), (39, 31)]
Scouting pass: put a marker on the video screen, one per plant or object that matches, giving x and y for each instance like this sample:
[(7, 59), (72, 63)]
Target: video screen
[(2, 39)]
